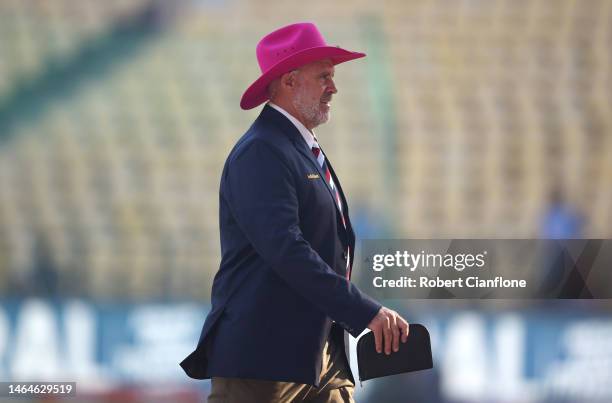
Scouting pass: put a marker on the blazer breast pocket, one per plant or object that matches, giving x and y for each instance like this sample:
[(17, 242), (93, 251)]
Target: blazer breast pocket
[(316, 194)]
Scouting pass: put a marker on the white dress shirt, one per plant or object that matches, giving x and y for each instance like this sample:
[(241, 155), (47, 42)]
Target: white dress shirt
[(308, 136)]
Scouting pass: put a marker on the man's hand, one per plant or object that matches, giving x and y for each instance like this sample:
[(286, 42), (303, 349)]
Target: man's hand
[(387, 325)]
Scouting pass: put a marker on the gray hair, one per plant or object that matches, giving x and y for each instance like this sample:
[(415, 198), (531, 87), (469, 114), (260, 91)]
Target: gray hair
[(274, 85)]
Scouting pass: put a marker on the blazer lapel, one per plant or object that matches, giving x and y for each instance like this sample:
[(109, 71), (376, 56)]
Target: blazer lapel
[(303, 148), (349, 227), (269, 113)]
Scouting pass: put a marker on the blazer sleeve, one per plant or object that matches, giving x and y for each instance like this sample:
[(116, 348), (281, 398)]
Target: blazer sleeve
[(262, 196)]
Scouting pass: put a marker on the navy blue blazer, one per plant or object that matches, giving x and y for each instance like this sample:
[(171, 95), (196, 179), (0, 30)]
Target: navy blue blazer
[(282, 279)]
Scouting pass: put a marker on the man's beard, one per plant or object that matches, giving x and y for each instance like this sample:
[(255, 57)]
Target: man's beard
[(311, 111)]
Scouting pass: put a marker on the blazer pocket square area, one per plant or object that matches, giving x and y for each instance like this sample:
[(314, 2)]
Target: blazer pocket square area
[(313, 176)]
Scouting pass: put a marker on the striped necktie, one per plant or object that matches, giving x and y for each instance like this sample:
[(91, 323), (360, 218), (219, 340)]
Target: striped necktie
[(323, 164)]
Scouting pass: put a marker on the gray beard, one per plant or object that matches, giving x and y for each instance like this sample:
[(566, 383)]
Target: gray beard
[(309, 110)]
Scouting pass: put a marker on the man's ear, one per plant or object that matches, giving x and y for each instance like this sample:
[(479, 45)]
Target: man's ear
[(289, 80)]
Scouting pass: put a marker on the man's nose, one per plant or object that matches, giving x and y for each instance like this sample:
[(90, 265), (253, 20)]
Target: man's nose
[(332, 87)]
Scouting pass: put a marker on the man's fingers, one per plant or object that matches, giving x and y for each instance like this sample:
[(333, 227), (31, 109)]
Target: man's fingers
[(388, 335), (389, 328), (378, 338), (405, 330), (396, 332)]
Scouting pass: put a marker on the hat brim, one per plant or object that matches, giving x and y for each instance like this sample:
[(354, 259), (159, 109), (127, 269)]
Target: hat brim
[(257, 92)]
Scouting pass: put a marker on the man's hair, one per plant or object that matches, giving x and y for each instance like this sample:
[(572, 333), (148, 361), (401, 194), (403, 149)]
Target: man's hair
[(273, 86)]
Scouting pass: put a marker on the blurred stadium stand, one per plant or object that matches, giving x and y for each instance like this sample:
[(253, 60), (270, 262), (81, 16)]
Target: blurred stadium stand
[(462, 120)]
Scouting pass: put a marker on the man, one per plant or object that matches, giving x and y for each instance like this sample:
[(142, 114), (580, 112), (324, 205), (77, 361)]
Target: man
[(282, 298)]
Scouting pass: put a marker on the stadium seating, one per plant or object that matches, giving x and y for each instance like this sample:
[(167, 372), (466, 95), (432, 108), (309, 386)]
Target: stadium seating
[(461, 121)]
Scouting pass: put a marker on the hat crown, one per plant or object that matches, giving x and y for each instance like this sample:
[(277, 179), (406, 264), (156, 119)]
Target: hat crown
[(287, 41)]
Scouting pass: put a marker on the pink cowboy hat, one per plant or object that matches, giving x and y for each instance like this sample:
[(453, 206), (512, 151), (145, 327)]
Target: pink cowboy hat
[(287, 49)]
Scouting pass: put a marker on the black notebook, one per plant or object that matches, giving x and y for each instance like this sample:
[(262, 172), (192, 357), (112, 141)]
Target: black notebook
[(414, 355)]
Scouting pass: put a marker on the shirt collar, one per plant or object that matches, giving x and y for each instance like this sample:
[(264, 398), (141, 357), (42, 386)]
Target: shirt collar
[(307, 135)]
